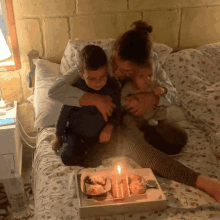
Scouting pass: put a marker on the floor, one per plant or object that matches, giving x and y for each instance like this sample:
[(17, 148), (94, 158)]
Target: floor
[(26, 175)]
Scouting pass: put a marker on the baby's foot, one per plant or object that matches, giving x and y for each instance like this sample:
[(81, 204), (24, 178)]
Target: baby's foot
[(152, 122), (210, 186)]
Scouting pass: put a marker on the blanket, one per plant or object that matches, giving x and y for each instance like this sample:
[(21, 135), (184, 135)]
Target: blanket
[(195, 73)]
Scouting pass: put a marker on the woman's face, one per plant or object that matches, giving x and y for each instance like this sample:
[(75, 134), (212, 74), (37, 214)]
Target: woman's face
[(122, 69)]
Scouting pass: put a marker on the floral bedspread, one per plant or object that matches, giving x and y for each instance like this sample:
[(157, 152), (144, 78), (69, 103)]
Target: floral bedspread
[(196, 75), (55, 192)]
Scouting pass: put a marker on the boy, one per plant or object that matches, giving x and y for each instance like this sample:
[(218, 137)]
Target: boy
[(86, 125), (144, 82)]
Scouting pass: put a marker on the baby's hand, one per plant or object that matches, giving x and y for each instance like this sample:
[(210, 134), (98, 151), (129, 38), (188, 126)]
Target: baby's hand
[(106, 133), (56, 144), (159, 91)]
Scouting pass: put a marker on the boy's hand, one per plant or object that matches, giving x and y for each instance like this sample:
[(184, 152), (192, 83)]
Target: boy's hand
[(106, 133), (56, 143)]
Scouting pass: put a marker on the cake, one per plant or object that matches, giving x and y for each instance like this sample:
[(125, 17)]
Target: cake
[(137, 184), (137, 187), (135, 177), (94, 189), (98, 179), (120, 187), (95, 184)]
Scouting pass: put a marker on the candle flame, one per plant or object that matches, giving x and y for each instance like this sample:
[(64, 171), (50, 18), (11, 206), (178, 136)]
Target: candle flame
[(119, 168)]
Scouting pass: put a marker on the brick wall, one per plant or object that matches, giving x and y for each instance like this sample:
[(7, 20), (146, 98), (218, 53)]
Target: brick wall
[(46, 25)]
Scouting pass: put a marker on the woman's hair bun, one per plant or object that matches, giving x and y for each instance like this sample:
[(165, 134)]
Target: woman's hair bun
[(142, 26)]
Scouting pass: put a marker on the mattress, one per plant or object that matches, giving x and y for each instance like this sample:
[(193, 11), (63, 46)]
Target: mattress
[(55, 190)]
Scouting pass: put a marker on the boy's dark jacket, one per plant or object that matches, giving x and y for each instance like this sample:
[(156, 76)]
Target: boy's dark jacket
[(111, 88)]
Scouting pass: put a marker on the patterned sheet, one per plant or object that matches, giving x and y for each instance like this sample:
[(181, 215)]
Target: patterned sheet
[(194, 75)]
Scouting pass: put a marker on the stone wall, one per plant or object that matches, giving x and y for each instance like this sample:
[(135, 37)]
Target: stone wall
[(46, 26)]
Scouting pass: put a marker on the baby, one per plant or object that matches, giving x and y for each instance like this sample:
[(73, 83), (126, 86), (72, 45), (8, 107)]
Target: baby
[(144, 82)]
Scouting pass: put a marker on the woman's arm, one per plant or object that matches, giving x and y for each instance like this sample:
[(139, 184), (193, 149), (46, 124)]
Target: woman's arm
[(115, 118), (63, 91)]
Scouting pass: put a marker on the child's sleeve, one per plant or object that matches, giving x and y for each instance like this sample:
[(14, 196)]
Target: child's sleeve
[(157, 83), (62, 120), (115, 118), (171, 96)]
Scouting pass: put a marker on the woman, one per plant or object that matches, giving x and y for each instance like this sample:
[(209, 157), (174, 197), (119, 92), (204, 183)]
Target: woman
[(126, 60)]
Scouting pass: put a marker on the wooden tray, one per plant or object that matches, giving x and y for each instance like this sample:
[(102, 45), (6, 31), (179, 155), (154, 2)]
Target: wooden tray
[(88, 207)]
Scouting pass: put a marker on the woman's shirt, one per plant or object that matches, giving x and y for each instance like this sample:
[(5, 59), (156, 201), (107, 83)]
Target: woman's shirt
[(63, 91)]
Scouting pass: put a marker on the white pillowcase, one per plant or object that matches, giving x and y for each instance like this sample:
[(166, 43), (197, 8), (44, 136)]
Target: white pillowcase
[(162, 51), (46, 110), (74, 47)]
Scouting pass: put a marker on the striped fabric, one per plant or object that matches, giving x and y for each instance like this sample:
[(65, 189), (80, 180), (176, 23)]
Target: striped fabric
[(130, 143)]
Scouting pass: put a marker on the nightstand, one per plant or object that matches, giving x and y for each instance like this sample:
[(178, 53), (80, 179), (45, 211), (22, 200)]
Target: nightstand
[(11, 164), (10, 147)]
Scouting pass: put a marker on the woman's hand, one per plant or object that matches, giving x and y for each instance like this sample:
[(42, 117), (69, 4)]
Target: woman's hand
[(132, 102), (145, 102), (103, 103), (106, 133), (56, 143)]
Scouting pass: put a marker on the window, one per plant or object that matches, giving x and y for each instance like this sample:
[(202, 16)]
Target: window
[(10, 58)]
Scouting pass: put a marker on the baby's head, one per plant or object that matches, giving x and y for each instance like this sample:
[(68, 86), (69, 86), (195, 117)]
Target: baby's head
[(93, 66), (142, 79)]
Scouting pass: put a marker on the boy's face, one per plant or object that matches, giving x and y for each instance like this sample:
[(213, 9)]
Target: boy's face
[(96, 79), (143, 78)]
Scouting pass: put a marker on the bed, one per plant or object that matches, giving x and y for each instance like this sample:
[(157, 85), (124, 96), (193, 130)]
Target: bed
[(195, 73)]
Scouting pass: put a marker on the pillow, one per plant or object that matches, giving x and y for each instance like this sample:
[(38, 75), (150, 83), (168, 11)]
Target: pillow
[(46, 110), (73, 48), (212, 49), (162, 51)]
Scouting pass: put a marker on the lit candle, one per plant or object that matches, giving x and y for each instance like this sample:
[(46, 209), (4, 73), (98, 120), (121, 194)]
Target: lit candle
[(119, 168), (119, 180), (119, 173)]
